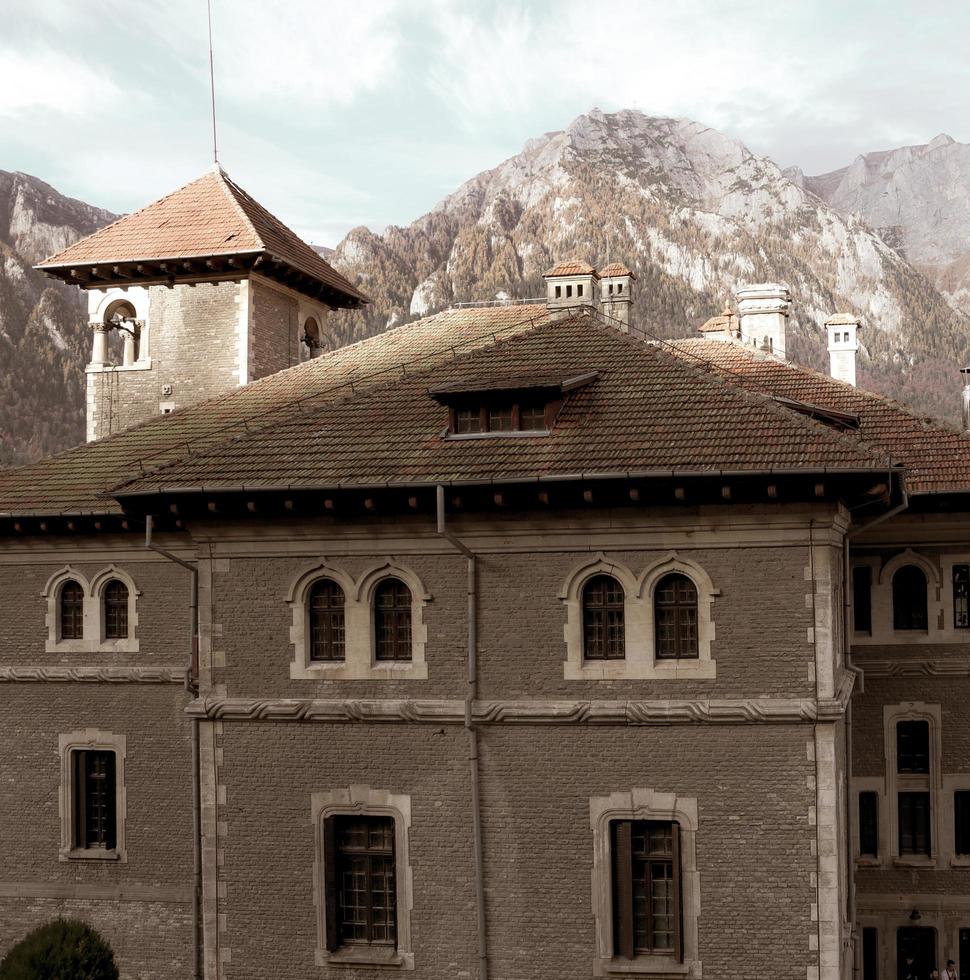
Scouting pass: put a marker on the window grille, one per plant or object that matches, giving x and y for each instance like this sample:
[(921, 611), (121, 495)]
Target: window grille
[(392, 620), (116, 610), (675, 612), (603, 623), (72, 611), (327, 630), (94, 799), (961, 597)]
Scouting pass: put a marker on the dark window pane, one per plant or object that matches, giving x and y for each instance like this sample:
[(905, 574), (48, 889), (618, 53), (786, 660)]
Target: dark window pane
[(392, 620), (603, 624), (909, 599), (366, 891), (532, 418), (961, 821), (500, 419), (71, 611), (327, 638), (675, 614), (961, 596), (862, 599), (650, 914), (870, 954), (913, 746), (94, 799), (869, 824), (116, 610), (468, 420), (914, 823)]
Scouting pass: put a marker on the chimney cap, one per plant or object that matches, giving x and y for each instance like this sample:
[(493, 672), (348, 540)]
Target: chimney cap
[(764, 290), (571, 267)]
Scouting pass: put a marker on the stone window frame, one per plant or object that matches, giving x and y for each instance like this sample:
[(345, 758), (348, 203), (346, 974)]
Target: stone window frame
[(358, 800), (139, 299), (93, 638), (644, 804), (883, 633), (640, 662), (900, 783), (91, 739), (360, 662)]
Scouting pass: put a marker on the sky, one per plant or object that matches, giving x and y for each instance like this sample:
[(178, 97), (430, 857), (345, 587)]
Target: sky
[(338, 113)]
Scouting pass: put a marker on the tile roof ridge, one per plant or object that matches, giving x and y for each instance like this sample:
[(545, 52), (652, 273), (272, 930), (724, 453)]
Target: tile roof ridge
[(229, 187), (101, 232)]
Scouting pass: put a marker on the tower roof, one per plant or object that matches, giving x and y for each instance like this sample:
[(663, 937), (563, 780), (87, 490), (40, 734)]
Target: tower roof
[(616, 269), (571, 267), (208, 229)]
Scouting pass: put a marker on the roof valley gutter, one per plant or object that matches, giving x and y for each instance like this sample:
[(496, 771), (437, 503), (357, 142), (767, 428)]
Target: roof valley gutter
[(191, 684), (471, 697), (859, 685)]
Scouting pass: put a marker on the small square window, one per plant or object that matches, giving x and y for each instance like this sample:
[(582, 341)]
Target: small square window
[(468, 420), (532, 418), (500, 419)]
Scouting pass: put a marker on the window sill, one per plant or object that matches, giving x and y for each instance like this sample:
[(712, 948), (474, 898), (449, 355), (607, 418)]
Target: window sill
[(633, 670), (91, 854), (321, 670), (374, 956), (87, 646), (656, 967), (962, 861), (914, 861), (868, 862)]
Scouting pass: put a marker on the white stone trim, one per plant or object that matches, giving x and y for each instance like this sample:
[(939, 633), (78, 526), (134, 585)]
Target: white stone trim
[(640, 661), (91, 738), (900, 783), (359, 661), (92, 639), (644, 804), (357, 799)]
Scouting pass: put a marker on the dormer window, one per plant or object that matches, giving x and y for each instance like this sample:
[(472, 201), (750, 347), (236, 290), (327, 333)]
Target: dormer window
[(505, 408)]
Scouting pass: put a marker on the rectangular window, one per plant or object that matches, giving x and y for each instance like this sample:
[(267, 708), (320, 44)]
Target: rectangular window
[(569, 291), (579, 289), (870, 953), (961, 597), (914, 823), (532, 418), (961, 822), (862, 599), (94, 800), (869, 824), (611, 289), (361, 895), (558, 292), (500, 419), (913, 747), (646, 888), (468, 420)]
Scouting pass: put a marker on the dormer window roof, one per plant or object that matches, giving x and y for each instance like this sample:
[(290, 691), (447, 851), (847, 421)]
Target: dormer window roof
[(506, 406)]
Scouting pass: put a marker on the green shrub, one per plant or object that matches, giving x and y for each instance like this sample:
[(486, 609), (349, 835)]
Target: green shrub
[(61, 950)]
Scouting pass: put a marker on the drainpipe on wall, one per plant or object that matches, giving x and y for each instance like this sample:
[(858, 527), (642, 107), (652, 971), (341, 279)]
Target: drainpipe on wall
[(191, 674), (860, 680), (471, 696)]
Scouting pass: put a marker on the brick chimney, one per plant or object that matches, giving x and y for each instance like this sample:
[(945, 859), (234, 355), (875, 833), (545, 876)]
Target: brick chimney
[(843, 344), (570, 285), (763, 317)]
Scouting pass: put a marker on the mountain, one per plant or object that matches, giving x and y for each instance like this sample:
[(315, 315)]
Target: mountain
[(43, 324), (918, 200), (695, 213)]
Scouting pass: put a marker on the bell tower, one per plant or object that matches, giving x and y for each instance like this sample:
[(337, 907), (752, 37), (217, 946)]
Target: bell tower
[(194, 295)]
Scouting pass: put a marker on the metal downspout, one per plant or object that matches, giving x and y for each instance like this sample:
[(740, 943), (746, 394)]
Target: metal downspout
[(190, 686), (471, 696), (860, 687)]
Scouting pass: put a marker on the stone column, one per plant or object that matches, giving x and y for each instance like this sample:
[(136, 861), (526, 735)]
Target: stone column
[(99, 350)]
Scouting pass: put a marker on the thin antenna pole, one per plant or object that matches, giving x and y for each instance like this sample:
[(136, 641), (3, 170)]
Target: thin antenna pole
[(212, 87)]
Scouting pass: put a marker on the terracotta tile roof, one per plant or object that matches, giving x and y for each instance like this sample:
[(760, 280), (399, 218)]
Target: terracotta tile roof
[(936, 456), (211, 216), (617, 269), (573, 267), (77, 481), (726, 323), (647, 412)]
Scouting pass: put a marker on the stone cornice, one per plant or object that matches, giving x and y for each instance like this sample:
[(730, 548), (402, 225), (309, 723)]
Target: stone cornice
[(92, 675), (451, 712), (951, 667)]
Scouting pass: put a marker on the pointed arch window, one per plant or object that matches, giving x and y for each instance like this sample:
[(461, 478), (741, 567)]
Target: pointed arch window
[(327, 623), (675, 615), (909, 598), (392, 621), (71, 611), (604, 630), (115, 610)]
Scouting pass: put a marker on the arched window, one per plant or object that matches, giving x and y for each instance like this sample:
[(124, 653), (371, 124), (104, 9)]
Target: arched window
[(909, 598), (603, 626), (115, 610), (675, 616), (71, 611), (392, 620), (326, 602)]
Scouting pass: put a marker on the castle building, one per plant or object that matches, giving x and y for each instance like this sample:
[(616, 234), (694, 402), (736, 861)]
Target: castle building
[(506, 643)]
